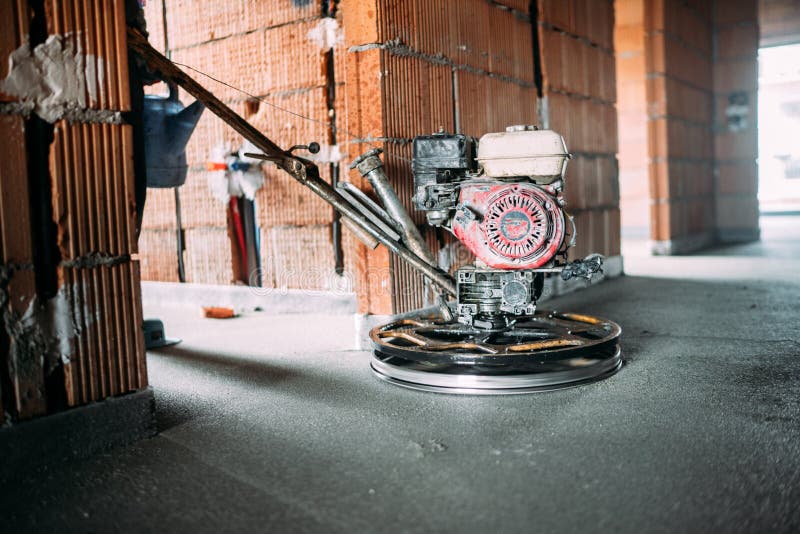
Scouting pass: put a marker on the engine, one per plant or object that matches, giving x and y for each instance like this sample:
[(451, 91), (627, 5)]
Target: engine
[(501, 197), (509, 226)]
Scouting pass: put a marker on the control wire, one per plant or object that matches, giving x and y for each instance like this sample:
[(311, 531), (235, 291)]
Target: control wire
[(290, 112)]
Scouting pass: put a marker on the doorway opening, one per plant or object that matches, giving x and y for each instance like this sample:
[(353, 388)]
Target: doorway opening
[(779, 129)]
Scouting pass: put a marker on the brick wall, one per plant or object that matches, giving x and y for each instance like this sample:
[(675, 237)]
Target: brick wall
[(700, 65), (268, 50), (579, 88), (69, 280), (634, 180), (779, 22), (679, 91), (736, 41), (439, 69), (402, 68), (363, 129)]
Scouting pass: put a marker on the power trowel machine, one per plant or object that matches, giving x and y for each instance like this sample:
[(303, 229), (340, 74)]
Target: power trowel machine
[(500, 196)]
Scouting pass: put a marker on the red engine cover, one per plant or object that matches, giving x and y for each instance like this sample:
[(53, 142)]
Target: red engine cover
[(509, 226)]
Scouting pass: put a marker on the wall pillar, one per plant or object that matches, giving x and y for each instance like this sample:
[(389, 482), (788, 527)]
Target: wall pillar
[(634, 181), (69, 285), (700, 76), (736, 120)]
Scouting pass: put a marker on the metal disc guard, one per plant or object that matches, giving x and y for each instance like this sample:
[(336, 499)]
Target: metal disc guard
[(545, 351)]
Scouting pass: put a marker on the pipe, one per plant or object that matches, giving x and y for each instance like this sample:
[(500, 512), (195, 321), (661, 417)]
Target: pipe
[(336, 227), (370, 166), (366, 212), (307, 174), (362, 236), (373, 206), (179, 237)]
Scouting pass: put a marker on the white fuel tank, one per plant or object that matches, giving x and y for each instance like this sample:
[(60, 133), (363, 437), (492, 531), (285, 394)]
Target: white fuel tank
[(524, 151)]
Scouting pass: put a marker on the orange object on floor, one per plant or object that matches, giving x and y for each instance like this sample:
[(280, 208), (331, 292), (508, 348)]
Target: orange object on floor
[(217, 312)]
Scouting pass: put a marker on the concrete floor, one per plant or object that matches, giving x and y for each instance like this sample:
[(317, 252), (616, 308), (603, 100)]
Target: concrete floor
[(267, 424)]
